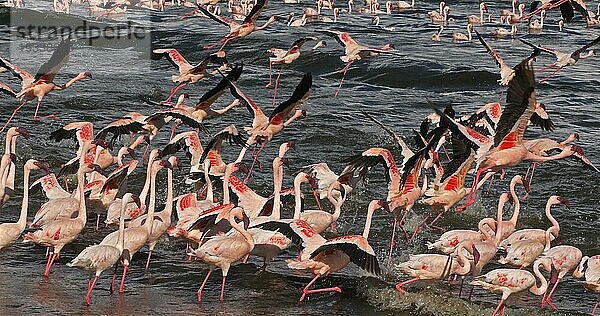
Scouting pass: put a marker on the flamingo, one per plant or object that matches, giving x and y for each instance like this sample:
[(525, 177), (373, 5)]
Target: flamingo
[(458, 37), (222, 251), (42, 83), (161, 220), (403, 5), (564, 259), (97, 258), (319, 219), (264, 128), (9, 232), (8, 168), (522, 253), (335, 254), (509, 226), (354, 51), (189, 74), (473, 19), (136, 237), (244, 29), (60, 232), (284, 57), (565, 59), (539, 234), (589, 267), (506, 72), (509, 281), (566, 8)]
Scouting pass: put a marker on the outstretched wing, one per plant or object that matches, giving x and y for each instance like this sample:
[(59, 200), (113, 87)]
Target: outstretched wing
[(229, 134), (342, 38), (217, 18), (237, 93), (363, 258), (59, 58), (300, 95), (400, 143), (255, 12), (25, 77), (215, 93), (174, 57), (491, 51), (586, 46)]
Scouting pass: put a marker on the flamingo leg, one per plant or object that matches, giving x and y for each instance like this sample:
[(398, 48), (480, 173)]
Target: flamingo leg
[(471, 292), (226, 41), (545, 68), (89, 292), (47, 251), (36, 118), (215, 44), (462, 281), (270, 75), (472, 195), (595, 307), (551, 75), (277, 84), (432, 224), (491, 182), (532, 171), (122, 286), (306, 290), (97, 220), (222, 297), (402, 221), (254, 161), (345, 70), (549, 297), (401, 284), (173, 128), (173, 91), (49, 265), (12, 115), (202, 286), (498, 308), (148, 260), (112, 282), (418, 229), (393, 237)]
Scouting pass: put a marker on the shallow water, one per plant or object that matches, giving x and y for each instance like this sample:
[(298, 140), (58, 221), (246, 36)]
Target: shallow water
[(392, 88)]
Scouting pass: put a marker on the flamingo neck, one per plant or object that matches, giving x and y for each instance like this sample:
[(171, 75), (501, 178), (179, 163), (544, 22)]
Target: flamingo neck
[(579, 272), (237, 214), (515, 215), (152, 203), (337, 204), (293, 118), (169, 203), (269, 22), (498, 236), (24, 205), (146, 187), (121, 234), (550, 217), (80, 183), (277, 183), (463, 262), (209, 188), (372, 207), (71, 82), (539, 277), (297, 198)]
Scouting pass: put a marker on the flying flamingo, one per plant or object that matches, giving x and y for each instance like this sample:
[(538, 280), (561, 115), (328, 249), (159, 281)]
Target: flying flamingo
[(237, 30), (138, 236), (509, 281), (58, 233), (97, 258), (284, 57), (354, 51), (42, 83), (564, 259), (506, 72), (264, 128), (564, 59), (224, 250), (9, 232), (189, 74), (539, 234), (337, 253)]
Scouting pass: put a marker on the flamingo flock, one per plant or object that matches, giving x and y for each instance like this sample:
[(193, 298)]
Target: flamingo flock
[(224, 219)]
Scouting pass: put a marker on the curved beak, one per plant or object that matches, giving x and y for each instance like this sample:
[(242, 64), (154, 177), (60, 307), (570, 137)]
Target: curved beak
[(42, 166)]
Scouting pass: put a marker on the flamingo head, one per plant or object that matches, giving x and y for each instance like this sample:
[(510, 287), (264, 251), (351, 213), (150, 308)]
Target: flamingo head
[(23, 132), (388, 47), (175, 162), (166, 164), (13, 157), (563, 201), (38, 165)]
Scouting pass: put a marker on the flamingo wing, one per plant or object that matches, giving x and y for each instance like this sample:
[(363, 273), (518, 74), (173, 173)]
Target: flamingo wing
[(120, 127), (25, 77), (299, 96), (7, 90), (398, 140), (300, 42), (499, 61), (360, 253), (520, 101), (342, 38), (174, 57), (59, 58), (187, 141), (216, 92), (283, 228), (256, 10), (52, 189), (69, 131), (460, 154), (217, 18), (586, 46), (541, 119), (184, 116), (538, 47), (252, 107), (229, 134)]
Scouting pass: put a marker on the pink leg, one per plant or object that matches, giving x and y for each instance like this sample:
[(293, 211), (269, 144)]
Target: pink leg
[(393, 237), (504, 310), (545, 68), (498, 308), (49, 265), (122, 286), (401, 284), (148, 261), (543, 303), (173, 91), (11, 117), (446, 152), (226, 41), (549, 297), (432, 224), (215, 44), (402, 221), (345, 70), (418, 229), (491, 182), (112, 282), (551, 75), (472, 195), (306, 290), (254, 161), (316, 195), (89, 292), (47, 251), (202, 286), (270, 74), (462, 281), (97, 220), (595, 307), (532, 171), (173, 128), (276, 85), (222, 297)]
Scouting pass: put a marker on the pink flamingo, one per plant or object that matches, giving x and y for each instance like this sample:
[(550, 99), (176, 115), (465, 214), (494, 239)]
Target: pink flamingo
[(237, 30), (335, 254), (509, 226), (9, 232), (509, 281), (564, 259), (97, 258), (222, 251)]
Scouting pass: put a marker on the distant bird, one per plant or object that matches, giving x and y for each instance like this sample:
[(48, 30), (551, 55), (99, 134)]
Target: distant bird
[(564, 59), (237, 30), (188, 73), (461, 37), (42, 83), (222, 251), (354, 51)]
